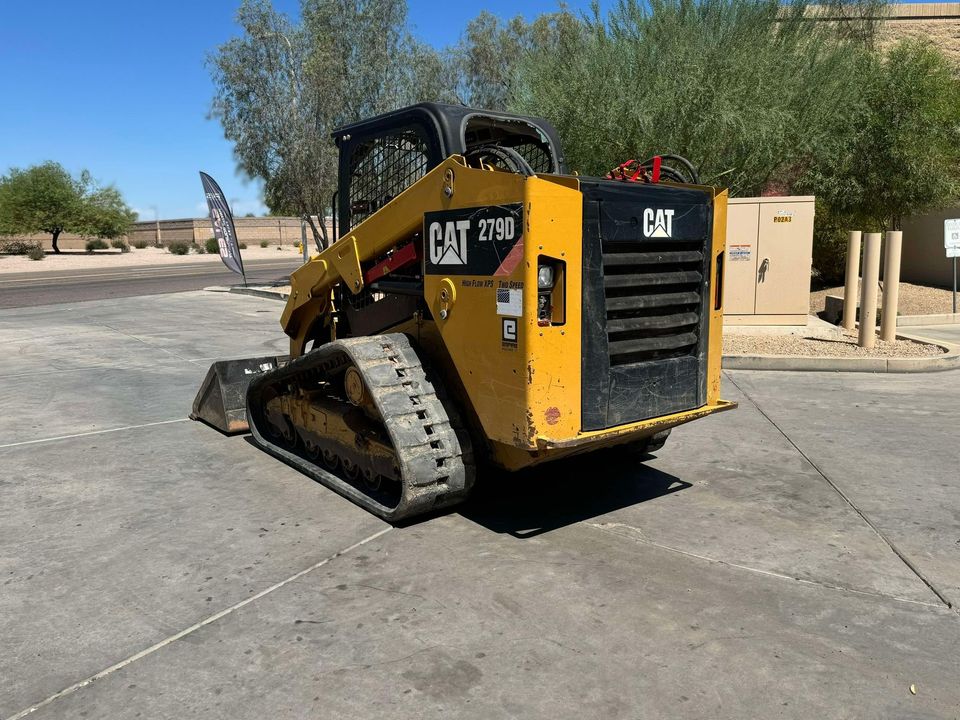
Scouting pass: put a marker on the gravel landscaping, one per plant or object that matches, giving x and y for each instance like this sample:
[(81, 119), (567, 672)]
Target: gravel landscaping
[(812, 347), (914, 300)]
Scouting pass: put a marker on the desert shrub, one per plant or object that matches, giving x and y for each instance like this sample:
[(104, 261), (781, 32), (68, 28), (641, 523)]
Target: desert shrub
[(139, 244), (212, 246), (830, 229), (242, 246), (120, 244), (17, 247), (198, 249), (36, 253), (178, 247), (830, 258), (264, 243), (96, 244)]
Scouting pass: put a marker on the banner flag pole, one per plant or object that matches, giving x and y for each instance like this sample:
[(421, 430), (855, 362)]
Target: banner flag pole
[(224, 229)]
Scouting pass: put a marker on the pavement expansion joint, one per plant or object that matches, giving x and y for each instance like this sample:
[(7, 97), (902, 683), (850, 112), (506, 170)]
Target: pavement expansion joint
[(144, 342), (887, 541), (93, 432), (58, 371), (193, 628), (636, 535)]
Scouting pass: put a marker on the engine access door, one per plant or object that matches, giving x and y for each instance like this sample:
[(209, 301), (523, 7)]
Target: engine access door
[(645, 314)]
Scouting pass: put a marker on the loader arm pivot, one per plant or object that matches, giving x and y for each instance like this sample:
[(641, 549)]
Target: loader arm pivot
[(311, 285)]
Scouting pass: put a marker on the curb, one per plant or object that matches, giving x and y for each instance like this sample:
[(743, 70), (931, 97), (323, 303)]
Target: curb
[(254, 292), (920, 320), (949, 361), (258, 292)]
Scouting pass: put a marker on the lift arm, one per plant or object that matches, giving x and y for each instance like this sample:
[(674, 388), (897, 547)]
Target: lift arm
[(311, 284)]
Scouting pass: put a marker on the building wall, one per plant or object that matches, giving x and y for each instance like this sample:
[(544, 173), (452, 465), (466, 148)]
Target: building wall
[(924, 260)]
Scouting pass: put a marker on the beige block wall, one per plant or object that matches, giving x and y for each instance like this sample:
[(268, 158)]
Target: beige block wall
[(170, 231), (274, 230), (67, 241), (944, 32), (937, 22)]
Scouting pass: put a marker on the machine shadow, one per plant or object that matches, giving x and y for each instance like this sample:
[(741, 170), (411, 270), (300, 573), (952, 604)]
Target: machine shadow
[(532, 502), (537, 501)]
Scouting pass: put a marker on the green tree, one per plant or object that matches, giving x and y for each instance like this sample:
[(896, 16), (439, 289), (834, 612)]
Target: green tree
[(45, 198), (262, 103), (281, 89), (903, 156), (487, 59), (752, 91), (104, 213), (491, 51)]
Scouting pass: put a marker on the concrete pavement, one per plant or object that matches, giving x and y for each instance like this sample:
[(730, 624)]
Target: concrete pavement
[(947, 333), (788, 559)]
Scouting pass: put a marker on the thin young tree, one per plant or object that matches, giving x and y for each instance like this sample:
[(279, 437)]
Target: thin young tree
[(282, 88)]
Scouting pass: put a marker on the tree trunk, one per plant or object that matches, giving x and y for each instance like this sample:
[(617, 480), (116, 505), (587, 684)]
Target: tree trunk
[(319, 235), (56, 236)]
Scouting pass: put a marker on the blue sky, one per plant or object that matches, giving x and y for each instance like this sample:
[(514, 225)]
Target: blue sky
[(120, 88)]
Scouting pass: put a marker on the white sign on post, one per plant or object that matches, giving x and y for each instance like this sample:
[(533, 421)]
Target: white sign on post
[(951, 234), (951, 241)]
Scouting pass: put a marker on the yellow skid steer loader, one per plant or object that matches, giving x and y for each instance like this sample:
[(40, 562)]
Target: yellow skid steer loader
[(483, 306)]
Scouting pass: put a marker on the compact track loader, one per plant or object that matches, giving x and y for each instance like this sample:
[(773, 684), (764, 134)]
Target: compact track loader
[(483, 306)]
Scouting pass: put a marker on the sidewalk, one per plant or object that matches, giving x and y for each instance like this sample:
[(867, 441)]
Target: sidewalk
[(111, 259)]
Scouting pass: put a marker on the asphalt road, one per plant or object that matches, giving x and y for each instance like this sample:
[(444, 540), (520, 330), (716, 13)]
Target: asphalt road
[(58, 286)]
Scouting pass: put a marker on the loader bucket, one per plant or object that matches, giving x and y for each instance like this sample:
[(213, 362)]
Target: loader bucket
[(222, 399)]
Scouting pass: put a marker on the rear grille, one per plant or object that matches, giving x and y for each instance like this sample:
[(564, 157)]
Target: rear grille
[(653, 299), (645, 304)]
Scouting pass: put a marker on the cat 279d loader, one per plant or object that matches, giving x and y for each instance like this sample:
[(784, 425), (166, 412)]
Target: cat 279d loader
[(480, 306)]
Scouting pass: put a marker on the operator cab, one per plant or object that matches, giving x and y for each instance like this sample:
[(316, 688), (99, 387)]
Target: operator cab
[(381, 157)]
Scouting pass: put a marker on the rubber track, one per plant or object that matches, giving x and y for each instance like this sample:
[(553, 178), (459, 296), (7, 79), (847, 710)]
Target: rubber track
[(432, 447)]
